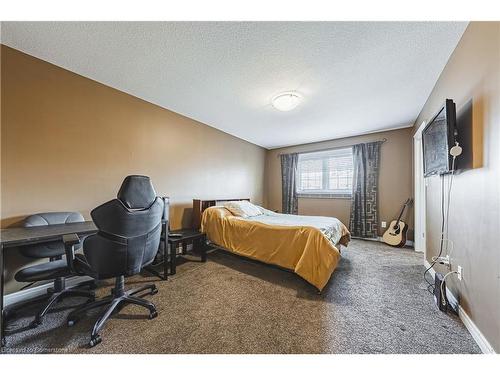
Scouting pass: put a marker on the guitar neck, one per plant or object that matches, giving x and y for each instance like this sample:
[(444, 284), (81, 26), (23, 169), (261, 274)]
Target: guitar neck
[(401, 213)]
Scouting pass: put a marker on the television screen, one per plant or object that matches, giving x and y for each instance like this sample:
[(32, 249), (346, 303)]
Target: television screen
[(437, 139)]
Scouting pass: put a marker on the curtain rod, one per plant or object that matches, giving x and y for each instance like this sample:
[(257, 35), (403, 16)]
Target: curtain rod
[(329, 149)]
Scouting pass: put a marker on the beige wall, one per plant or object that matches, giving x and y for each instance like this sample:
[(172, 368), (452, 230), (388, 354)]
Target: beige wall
[(473, 72), (394, 179), (68, 142)]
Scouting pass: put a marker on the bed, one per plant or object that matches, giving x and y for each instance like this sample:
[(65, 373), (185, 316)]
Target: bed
[(306, 245)]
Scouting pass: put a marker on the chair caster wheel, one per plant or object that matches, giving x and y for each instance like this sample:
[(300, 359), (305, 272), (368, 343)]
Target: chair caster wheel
[(153, 315), (154, 291), (72, 320), (35, 323), (96, 340)]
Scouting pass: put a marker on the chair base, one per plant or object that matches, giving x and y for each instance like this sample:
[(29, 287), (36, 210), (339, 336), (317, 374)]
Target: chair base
[(57, 293), (117, 300)]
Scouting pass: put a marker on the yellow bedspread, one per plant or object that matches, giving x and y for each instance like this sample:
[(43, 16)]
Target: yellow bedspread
[(302, 249)]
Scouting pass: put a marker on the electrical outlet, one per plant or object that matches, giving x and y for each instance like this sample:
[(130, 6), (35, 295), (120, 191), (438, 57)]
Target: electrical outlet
[(383, 224), (445, 261), (460, 273), (449, 262)]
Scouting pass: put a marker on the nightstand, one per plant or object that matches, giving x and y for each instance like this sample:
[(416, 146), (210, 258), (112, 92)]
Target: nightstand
[(187, 236)]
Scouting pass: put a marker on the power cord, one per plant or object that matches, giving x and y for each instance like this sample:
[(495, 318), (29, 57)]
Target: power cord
[(430, 285), (445, 214)]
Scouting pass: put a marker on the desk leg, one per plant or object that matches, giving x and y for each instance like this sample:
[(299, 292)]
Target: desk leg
[(173, 259), (203, 249), (2, 316), (165, 260)]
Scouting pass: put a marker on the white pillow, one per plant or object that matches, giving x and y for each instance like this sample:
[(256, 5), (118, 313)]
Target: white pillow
[(267, 212), (242, 208)]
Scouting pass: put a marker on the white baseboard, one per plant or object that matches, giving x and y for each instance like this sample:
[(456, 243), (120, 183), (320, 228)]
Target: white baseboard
[(379, 239), (476, 334), (39, 290)]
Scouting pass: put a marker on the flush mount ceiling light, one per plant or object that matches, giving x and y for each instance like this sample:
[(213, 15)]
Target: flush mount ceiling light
[(286, 101)]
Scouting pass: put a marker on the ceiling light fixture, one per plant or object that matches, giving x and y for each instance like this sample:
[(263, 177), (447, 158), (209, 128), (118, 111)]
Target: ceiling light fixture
[(286, 101)]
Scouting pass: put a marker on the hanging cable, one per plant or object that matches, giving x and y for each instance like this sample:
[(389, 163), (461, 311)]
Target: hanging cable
[(430, 284), (445, 214), (450, 184)]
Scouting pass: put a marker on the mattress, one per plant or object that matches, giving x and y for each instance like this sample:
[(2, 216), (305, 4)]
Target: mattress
[(306, 245)]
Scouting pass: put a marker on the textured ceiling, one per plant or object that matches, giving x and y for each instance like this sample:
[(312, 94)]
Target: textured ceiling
[(356, 77)]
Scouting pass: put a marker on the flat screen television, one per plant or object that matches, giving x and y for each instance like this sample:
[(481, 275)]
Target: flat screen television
[(437, 138)]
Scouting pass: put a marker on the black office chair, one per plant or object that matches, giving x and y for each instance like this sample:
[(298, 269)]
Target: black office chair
[(127, 240), (56, 268)]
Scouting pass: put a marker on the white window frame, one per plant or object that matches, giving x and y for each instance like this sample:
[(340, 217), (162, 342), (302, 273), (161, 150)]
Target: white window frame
[(324, 192)]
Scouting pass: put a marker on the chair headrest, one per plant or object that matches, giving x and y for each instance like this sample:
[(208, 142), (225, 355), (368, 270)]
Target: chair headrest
[(52, 218), (137, 192)]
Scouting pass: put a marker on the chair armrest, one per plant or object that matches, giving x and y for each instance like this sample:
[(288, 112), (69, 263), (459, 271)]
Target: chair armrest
[(70, 240)]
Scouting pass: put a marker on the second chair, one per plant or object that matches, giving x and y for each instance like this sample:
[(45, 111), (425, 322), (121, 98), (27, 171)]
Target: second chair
[(56, 268)]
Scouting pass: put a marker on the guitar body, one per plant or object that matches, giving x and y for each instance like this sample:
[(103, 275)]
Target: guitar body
[(396, 234)]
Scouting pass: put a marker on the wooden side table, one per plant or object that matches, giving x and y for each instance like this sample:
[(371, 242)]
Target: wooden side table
[(187, 236)]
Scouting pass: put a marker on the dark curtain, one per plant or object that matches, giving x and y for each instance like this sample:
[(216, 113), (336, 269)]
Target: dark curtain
[(364, 205), (289, 183)]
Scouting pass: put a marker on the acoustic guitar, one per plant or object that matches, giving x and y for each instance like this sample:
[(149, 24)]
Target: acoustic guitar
[(396, 234)]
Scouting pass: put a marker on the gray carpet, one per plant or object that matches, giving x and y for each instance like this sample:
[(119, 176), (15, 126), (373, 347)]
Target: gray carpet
[(375, 302)]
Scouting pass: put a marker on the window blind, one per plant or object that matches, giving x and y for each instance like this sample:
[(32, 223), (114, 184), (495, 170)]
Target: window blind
[(325, 172)]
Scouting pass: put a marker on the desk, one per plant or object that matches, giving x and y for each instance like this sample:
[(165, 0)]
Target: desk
[(14, 237)]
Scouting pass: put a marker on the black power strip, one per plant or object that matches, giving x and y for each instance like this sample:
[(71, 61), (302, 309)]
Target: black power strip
[(439, 298)]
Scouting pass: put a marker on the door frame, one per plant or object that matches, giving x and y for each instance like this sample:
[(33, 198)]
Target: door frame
[(419, 191)]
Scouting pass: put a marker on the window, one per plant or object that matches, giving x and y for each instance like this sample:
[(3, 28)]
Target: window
[(327, 173)]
